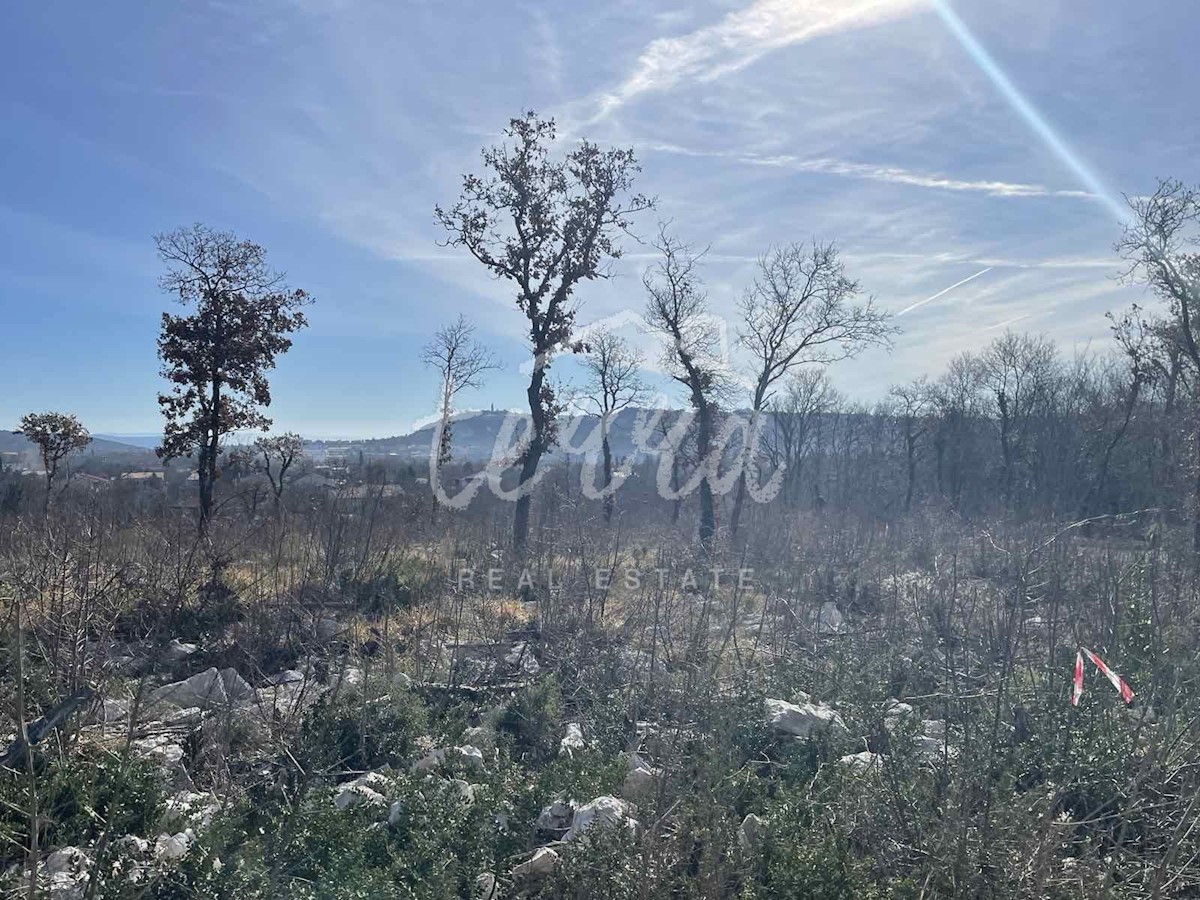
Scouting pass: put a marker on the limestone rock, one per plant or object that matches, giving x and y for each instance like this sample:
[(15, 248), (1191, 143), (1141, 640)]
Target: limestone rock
[(603, 812), (802, 719)]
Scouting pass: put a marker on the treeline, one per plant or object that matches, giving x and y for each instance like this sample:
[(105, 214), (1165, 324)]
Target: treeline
[(1019, 427)]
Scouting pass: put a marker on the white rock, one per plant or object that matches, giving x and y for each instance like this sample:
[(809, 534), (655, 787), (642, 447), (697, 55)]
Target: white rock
[(541, 864), (642, 778), (174, 846), (204, 690), (480, 736), (861, 763), (803, 719), (485, 887), (556, 817), (287, 676), (65, 874), (395, 812), (349, 796), (430, 762), (160, 749), (603, 812), (751, 833), (362, 790), (188, 809), (573, 740), (830, 620), (471, 756), (464, 789), (521, 659), (176, 651), (401, 680)]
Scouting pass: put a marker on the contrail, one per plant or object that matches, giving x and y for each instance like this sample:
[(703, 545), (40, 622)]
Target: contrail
[(1006, 322), (1028, 111), (943, 293)]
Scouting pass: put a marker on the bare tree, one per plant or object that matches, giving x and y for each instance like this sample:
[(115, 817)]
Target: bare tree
[(914, 404), (801, 309), (614, 384), (459, 361), (546, 225), (1162, 245), (1016, 371), (57, 436), (797, 417), (276, 454), (218, 357), (677, 310)]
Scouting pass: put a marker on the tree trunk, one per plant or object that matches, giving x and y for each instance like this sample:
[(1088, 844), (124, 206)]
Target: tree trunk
[(708, 512), (609, 497), (529, 464)]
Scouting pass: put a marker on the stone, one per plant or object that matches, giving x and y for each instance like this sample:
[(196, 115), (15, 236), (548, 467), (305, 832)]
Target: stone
[(802, 719), (464, 789), (603, 812), (177, 651), (471, 756), (171, 847), (556, 817), (572, 741), (430, 762), (541, 864), (66, 873), (401, 680), (861, 763), (751, 833), (521, 661), (395, 812), (188, 809), (486, 887), (210, 688), (642, 778), (480, 736), (287, 676), (830, 620), (364, 790)]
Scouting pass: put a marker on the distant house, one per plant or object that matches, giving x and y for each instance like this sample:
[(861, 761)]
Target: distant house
[(150, 476), (368, 491), (313, 481)]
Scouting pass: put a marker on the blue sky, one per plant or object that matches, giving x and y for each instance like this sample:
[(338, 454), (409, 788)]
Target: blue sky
[(327, 130)]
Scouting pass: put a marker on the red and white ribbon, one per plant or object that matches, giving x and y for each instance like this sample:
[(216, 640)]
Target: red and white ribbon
[(1116, 680), (1077, 687)]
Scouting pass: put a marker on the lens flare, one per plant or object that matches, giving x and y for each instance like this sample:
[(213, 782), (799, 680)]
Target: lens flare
[(988, 65)]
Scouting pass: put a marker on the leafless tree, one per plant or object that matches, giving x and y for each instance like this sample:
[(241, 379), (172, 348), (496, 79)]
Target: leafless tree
[(801, 309), (460, 361), (797, 417), (677, 310), (57, 436), (276, 454), (546, 225), (1016, 371), (614, 383), (1162, 245), (914, 403)]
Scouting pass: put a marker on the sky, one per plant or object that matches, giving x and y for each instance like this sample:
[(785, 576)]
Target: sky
[(968, 157)]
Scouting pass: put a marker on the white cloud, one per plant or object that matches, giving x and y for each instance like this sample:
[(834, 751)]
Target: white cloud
[(888, 174), (744, 36)]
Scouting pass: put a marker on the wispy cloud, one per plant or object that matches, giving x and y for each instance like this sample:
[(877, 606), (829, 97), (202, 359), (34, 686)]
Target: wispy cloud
[(884, 173), (744, 36), (943, 292)]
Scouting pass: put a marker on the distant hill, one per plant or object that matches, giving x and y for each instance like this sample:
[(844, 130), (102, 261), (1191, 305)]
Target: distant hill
[(475, 436), (11, 442)]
